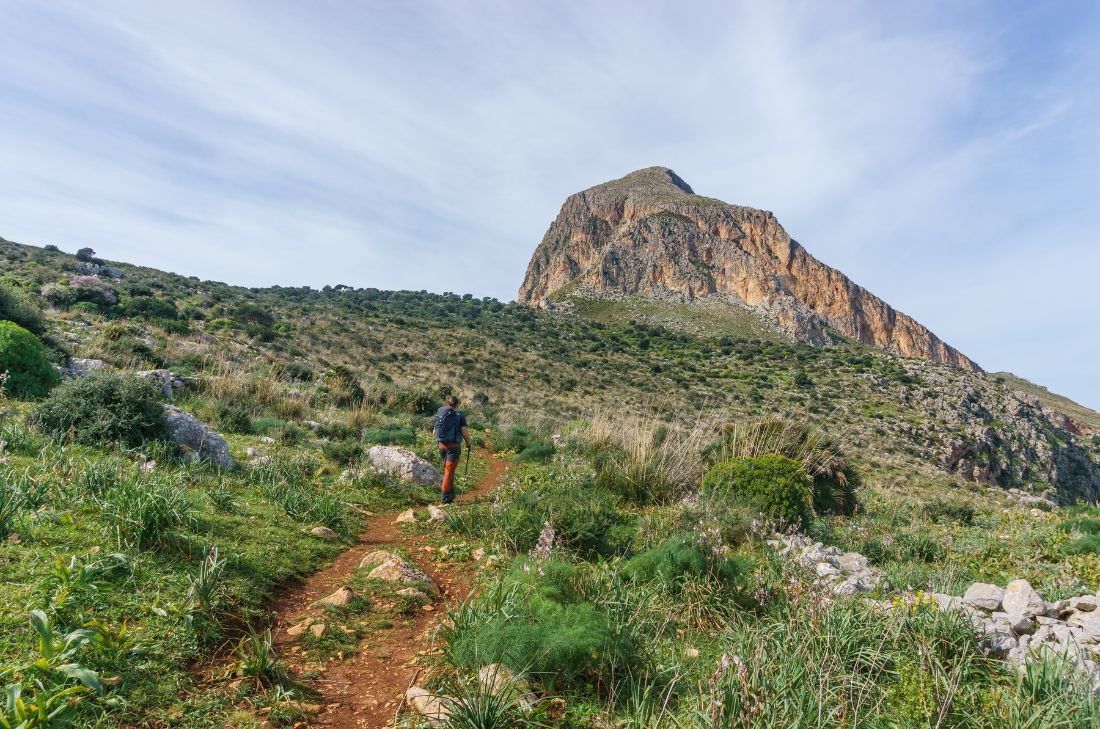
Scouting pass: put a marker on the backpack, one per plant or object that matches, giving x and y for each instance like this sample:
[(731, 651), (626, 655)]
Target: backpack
[(447, 426)]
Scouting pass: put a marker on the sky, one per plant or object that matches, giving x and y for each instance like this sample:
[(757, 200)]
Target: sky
[(946, 156)]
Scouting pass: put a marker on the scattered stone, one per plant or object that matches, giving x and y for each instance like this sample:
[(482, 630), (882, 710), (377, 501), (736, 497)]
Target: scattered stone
[(406, 517), (436, 514), (478, 554), (79, 367), (1020, 598), (1084, 604), (319, 630), (169, 382), (295, 630), (691, 652), (984, 596), (412, 592), (389, 567), (325, 533), (340, 598), (403, 464), (196, 439)]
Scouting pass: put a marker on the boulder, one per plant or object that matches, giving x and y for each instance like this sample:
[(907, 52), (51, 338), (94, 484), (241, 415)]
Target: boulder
[(1020, 598), (1083, 604), (984, 596), (196, 439), (403, 464), (852, 562)]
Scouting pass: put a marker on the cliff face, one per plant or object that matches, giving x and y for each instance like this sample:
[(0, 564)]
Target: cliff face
[(650, 234)]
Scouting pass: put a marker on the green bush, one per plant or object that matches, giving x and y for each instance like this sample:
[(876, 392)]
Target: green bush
[(148, 514), (585, 517), (542, 450), (104, 408), (515, 439), (29, 372), (283, 431), (15, 307), (534, 623), (943, 510), (677, 559), (342, 451), (774, 484), (233, 416)]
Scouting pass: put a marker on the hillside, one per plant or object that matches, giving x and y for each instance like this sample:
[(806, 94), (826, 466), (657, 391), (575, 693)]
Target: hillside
[(674, 516), (649, 233)]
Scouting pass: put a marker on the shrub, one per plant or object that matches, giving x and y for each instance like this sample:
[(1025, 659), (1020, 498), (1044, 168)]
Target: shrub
[(104, 408), (148, 307), (15, 307), (342, 451), (535, 627), (585, 518), (678, 558), (233, 416), (343, 386), (29, 372), (774, 484), (515, 439), (939, 510), (542, 450)]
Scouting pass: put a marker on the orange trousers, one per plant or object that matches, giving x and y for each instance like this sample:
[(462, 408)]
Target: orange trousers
[(451, 453)]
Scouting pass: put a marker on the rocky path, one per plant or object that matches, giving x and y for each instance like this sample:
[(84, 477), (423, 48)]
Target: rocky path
[(365, 689)]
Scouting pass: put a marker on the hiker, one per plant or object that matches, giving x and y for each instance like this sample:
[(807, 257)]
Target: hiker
[(450, 425)]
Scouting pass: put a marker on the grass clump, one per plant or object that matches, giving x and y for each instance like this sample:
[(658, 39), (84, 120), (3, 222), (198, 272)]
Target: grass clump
[(678, 559), (148, 513), (776, 485), (104, 408), (535, 623), (25, 370)]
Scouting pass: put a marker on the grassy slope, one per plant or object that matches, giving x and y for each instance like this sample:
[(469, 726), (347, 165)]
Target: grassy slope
[(513, 365)]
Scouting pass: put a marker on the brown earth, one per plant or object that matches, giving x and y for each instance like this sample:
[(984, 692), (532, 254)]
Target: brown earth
[(365, 690)]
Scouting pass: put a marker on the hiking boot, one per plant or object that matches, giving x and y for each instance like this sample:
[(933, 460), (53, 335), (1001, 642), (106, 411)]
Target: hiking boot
[(447, 498)]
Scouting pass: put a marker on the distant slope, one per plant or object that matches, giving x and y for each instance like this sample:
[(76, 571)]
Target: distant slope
[(649, 234), (1088, 418)]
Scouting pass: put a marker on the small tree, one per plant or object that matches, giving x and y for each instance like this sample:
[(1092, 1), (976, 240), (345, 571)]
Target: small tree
[(104, 408), (85, 254), (29, 373)]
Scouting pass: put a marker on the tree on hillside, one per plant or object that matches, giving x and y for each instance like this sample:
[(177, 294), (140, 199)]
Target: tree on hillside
[(85, 254)]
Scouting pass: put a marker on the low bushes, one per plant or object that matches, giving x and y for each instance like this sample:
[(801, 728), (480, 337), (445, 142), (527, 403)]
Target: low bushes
[(677, 559), (534, 622), (776, 485), (15, 307), (390, 435), (585, 518), (104, 408), (22, 356)]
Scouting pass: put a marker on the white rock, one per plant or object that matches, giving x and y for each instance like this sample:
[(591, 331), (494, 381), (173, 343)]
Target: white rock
[(984, 596), (325, 533), (341, 597), (497, 679), (406, 517), (431, 706), (1084, 604), (403, 464), (436, 514), (852, 562), (1020, 598)]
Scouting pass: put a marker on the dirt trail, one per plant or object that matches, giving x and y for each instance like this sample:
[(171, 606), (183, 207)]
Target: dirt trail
[(364, 690)]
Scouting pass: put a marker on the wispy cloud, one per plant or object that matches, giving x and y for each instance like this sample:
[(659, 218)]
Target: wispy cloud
[(427, 145)]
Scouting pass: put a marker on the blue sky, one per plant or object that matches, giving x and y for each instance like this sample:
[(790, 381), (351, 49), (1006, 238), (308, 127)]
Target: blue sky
[(944, 155)]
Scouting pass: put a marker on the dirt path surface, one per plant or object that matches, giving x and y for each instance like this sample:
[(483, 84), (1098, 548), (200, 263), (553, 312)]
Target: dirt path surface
[(365, 690)]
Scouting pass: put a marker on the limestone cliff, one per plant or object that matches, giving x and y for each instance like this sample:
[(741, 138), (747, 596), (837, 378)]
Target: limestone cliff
[(650, 234)]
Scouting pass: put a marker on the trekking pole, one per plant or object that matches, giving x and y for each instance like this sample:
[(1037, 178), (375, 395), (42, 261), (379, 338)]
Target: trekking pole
[(466, 470)]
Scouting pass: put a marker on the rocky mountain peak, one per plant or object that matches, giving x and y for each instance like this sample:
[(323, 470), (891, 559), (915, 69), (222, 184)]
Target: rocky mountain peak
[(649, 234)]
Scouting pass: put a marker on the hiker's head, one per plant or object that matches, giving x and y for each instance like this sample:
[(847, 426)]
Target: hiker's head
[(452, 401)]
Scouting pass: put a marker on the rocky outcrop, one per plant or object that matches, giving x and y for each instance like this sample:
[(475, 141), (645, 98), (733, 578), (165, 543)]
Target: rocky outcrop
[(167, 381), (79, 367), (650, 234), (197, 440), (403, 464)]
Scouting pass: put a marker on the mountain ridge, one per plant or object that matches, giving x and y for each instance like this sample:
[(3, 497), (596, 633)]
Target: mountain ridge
[(649, 233)]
